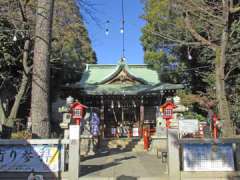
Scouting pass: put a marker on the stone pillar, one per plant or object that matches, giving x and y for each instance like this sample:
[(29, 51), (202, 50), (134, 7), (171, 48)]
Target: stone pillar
[(74, 152), (173, 155), (237, 151)]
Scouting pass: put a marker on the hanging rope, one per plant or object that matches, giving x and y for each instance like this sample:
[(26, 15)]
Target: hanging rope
[(122, 31)]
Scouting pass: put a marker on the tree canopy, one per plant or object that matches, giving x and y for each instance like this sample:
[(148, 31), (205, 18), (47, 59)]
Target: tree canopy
[(71, 49), (200, 35)]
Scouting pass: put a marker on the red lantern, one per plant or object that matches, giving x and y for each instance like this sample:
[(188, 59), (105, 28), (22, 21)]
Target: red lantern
[(78, 112), (168, 112)]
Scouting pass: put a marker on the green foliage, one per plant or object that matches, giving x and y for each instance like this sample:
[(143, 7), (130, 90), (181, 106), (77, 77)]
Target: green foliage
[(71, 48), (162, 26), (164, 37), (165, 33), (193, 115), (10, 57), (71, 37), (233, 71), (186, 97)]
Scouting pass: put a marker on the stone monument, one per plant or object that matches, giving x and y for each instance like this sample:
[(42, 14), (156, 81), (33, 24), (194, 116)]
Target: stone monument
[(87, 140)]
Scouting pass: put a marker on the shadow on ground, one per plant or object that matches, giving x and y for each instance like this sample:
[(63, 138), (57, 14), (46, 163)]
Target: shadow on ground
[(123, 177), (104, 150), (87, 169)]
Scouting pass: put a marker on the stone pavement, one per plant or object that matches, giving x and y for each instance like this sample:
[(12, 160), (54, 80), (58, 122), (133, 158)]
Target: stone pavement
[(120, 165)]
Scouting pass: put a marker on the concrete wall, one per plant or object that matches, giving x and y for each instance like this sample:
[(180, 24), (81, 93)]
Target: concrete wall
[(210, 175), (174, 155), (24, 176)]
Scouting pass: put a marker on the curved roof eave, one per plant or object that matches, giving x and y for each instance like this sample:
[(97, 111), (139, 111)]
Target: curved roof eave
[(120, 67)]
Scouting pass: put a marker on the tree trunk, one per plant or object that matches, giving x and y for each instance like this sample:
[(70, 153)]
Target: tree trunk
[(14, 110), (2, 115), (220, 75), (40, 109), (23, 86), (221, 95)]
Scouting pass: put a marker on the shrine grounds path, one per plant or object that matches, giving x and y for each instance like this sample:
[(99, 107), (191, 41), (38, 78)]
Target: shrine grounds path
[(115, 164)]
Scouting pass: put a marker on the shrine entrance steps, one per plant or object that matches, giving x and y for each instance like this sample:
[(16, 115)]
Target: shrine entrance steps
[(124, 144)]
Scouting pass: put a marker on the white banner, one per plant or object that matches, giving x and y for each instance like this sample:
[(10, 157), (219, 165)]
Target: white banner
[(37, 158), (135, 132)]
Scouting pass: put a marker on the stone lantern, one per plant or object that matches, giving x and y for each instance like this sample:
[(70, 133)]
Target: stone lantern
[(178, 111), (67, 116)]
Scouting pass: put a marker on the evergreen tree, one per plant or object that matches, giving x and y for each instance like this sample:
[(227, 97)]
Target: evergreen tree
[(40, 113)]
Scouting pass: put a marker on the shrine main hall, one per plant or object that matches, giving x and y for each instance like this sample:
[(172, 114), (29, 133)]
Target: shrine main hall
[(125, 96)]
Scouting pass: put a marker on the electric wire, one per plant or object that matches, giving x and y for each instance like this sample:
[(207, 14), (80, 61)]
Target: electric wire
[(123, 31)]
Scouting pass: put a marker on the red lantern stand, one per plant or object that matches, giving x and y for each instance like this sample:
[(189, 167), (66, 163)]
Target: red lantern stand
[(168, 112), (146, 138), (214, 120), (78, 112)]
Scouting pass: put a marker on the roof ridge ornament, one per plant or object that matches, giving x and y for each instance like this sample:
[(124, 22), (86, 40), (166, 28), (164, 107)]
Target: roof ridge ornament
[(122, 60)]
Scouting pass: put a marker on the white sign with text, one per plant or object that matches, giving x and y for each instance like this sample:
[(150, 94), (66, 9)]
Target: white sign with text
[(37, 158), (188, 126), (74, 132)]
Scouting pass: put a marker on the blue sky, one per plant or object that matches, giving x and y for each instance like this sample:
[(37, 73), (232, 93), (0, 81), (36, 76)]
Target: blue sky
[(109, 47)]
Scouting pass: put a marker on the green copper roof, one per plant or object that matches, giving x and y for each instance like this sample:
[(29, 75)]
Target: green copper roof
[(115, 89), (125, 89), (98, 73), (95, 80)]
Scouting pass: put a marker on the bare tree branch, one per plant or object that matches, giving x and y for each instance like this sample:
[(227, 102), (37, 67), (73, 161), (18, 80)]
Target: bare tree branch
[(205, 10), (172, 39), (25, 56), (2, 113), (21, 6), (229, 72), (235, 10), (196, 35)]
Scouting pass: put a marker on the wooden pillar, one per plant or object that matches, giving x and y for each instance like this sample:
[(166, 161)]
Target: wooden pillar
[(141, 116), (122, 114)]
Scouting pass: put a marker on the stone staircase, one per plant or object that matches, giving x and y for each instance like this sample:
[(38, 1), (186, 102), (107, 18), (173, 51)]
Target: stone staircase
[(125, 144)]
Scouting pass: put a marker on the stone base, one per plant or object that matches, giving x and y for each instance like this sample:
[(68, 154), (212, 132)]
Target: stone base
[(158, 144), (87, 146)]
